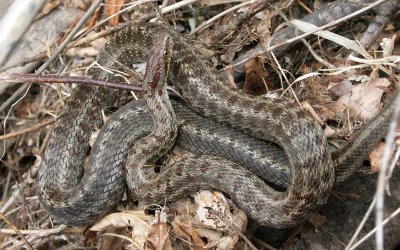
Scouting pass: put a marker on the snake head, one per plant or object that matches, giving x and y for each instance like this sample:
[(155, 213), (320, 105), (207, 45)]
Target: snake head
[(157, 65)]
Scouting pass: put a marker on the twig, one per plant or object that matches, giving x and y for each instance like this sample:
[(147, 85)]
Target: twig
[(135, 86), (12, 199), (66, 230), (27, 130), (16, 230), (380, 190), (362, 223), (51, 79), (386, 221)]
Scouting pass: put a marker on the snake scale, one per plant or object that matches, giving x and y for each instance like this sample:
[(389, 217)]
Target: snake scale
[(244, 128)]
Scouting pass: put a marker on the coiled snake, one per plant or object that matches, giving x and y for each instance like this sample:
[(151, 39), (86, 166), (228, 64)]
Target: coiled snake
[(77, 198)]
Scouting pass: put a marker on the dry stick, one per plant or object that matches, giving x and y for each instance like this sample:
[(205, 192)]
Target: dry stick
[(13, 197), (214, 18), (27, 130), (386, 221), (66, 230), (289, 41), (135, 86), (371, 207), (16, 230), (51, 79), (24, 87), (380, 190), (362, 223), (15, 22)]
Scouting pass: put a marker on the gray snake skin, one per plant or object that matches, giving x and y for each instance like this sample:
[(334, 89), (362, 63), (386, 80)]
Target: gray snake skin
[(75, 197)]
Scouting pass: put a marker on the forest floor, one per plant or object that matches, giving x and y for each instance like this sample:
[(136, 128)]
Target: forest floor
[(341, 73)]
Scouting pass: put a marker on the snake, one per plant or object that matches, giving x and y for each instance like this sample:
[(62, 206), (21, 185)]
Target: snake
[(228, 129)]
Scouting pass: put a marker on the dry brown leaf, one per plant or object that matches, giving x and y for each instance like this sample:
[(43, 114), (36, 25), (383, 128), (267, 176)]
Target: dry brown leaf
[(228, 242), (375, 157), (158, 237), (50, 5), (317, 220), (27, 107), (112, 7), (111, 242), (258, 81), (264, 28), (364, 101), (211, 206), (339, 89), (90, 238), (184, 229), (135, 219)]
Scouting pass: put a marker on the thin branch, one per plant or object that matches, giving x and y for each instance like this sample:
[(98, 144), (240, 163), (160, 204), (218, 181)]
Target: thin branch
[(27, 130), (362, 223), (382, 180), (386, 221), (16, 230)]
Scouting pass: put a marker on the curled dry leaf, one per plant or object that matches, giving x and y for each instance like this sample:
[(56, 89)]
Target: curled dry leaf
[(211, 205), (213, 212), (135, 219), (264, 28), (339, 89), (317, 220), (258, 81), (375, 157), (364, 100), (228, 242), (158, 236), (207, 221), (185, 230)]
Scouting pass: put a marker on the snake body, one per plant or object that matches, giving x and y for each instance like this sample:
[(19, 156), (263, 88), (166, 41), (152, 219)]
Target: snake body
[(75, 198)]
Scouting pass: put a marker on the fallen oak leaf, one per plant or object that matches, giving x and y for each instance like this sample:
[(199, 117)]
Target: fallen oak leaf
[(364, 100), (258, 81), (341, 88), (375, 157), (184, 229), (135, 219), (158, 236), (123, 219)]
